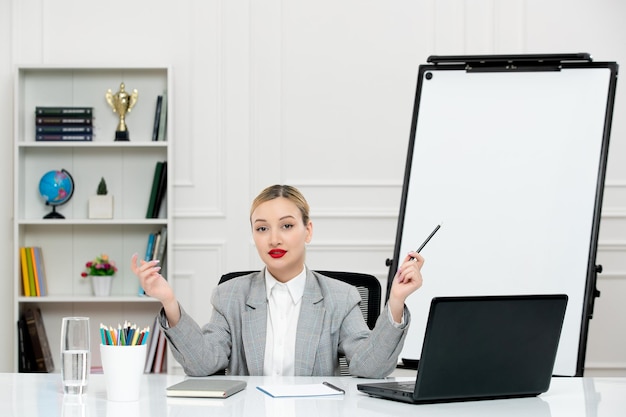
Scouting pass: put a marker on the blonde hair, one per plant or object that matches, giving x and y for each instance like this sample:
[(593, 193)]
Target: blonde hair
[(286, 191)]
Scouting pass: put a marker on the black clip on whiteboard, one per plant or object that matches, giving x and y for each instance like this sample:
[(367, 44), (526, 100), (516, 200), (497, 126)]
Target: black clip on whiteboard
[(509, 153)]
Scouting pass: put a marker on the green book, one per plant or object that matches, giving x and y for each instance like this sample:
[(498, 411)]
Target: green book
[(155, 189), (31, 272), (64, 111), (160, 195)]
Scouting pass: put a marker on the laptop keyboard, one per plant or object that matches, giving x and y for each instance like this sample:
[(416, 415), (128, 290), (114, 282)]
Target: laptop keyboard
[(402, 386)]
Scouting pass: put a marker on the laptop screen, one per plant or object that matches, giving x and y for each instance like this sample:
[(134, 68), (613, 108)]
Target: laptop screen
[(491, 346)]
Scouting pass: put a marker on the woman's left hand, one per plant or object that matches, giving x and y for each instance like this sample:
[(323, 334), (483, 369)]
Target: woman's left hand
[(406, 281)]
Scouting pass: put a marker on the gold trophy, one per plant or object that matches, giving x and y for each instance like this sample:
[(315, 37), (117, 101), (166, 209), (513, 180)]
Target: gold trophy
[(121, 103)]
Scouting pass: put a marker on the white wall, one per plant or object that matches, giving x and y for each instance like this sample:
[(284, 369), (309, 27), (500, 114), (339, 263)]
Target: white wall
[(315, 94)]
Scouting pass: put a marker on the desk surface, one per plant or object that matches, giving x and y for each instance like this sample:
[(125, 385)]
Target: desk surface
[(27, 395)]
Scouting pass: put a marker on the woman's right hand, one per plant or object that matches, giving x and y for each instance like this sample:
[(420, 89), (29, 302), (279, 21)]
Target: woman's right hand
[(155, 285), (152, 282)]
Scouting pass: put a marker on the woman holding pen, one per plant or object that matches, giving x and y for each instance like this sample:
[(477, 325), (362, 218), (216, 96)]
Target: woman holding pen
[(285, 319)]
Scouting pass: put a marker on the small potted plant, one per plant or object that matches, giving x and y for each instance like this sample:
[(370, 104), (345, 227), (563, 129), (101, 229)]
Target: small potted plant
[(101, 270), (101, 204)]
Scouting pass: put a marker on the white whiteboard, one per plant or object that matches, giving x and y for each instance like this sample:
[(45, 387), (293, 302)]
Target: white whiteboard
[(510, 163)]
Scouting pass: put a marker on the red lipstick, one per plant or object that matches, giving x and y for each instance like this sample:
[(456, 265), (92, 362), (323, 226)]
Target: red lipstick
[(277, 253)]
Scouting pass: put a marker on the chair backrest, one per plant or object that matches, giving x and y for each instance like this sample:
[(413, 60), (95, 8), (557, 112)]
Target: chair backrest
[(367, 285)]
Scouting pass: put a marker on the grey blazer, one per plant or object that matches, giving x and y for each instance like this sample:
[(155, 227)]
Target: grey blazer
[(330, 323)]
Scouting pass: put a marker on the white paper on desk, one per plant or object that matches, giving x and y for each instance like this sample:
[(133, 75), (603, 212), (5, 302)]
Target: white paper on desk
[(299, 390)]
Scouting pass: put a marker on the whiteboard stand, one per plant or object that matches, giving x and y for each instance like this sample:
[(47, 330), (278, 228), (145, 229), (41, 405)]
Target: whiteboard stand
[(509, 153)]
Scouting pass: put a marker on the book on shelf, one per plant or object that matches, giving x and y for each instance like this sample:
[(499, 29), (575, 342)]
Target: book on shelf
[(152, 345), (159, 354), (78, 121), (157, 242), (66, 130), (25, 275), (31, 253), (56, 137), (31, 272), (157, 118), (150, 246), (39, 340), (162, 134), (40, 270), (154, 189), (149, 253), (160, 194), (163, 263), (63, 111), (161, 244), (25, 350)]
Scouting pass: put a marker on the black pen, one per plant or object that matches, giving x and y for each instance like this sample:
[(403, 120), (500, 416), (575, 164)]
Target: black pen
[(428, 238), (328, 384)]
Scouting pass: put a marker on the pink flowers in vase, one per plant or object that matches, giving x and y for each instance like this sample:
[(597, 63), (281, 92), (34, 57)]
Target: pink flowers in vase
[(100, 266)]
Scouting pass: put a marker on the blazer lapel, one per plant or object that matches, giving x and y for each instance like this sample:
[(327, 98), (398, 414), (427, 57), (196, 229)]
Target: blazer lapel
[(254, 325), (309, 326)]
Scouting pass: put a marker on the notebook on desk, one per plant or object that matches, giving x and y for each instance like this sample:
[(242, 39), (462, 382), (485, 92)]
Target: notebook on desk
[(483, 347), (206, 388)]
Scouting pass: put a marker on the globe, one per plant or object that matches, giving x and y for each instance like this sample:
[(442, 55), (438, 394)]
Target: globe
[(56, 187)]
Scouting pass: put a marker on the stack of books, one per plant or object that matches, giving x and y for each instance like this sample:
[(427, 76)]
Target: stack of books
[(63, 123), (34, 281), (34, 350)]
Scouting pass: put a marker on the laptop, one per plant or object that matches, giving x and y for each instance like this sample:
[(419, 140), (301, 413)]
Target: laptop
[(483, 347)]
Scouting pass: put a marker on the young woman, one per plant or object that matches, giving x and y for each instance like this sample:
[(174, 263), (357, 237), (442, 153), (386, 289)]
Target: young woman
[(285, 319)]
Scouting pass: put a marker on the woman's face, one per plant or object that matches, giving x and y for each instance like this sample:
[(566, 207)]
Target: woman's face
[(280, 237)]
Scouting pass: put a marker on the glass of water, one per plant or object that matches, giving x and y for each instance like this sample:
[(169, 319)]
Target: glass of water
[(75, 358)]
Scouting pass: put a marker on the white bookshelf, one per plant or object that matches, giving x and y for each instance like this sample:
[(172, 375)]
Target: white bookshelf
[(128, 168)]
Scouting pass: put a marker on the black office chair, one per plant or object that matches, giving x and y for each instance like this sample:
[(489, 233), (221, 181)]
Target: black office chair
[(367, 285)]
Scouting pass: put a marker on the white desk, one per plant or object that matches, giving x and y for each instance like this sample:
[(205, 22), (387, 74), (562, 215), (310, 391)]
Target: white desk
[(26, 395)]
